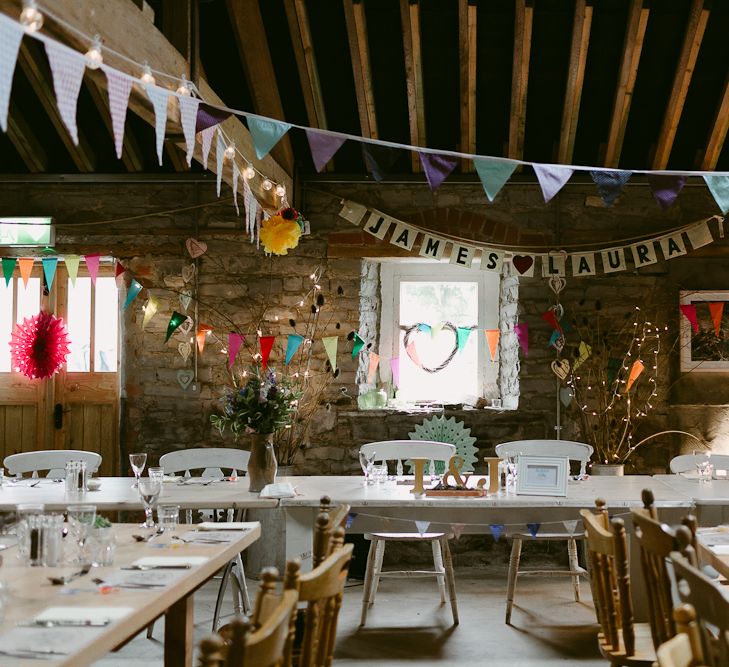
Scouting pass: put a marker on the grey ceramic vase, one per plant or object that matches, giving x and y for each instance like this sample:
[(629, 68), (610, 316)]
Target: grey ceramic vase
[(262, 465)]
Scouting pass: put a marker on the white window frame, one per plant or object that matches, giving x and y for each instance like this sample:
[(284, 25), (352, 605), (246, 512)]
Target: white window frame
[(392, 273)]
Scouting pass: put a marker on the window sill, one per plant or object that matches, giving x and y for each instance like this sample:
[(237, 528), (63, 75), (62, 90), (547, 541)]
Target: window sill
[(417, 411)]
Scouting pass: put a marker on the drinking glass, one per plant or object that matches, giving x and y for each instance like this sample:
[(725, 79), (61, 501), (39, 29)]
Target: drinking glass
[(168, 517), (367, 462), (81, 518), (379, 473), (102, 545), (702, 459), (23, 512), (137, 461), (149, 490)]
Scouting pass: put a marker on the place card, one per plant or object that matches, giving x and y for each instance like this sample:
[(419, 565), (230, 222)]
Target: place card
[(78, 615), (210, 536), (152, 579), (226, 525), (169, 561)]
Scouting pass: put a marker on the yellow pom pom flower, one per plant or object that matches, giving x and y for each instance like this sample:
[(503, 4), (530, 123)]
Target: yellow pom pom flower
[(279, 235)]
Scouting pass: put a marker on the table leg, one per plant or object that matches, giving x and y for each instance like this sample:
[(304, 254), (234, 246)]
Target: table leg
[(178, 633)]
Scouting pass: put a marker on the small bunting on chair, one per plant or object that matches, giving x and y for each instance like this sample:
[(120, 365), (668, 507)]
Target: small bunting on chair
[(350, 520), (422, 527), (533, 528), (570, 526), (457, 529), (497, 530)]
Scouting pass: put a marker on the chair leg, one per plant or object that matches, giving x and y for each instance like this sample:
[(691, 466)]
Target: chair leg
[(379, 554), (221, 593), (574, 564), (439, 569), (450, 579), (511, 578), (367, 592)]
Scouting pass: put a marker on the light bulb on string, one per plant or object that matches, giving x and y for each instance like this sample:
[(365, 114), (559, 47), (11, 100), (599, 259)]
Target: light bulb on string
[(229, 153), (185, 87), (280, 191), (93, 56), (147, 76), (267, 185), (30, 17), (249, 172)]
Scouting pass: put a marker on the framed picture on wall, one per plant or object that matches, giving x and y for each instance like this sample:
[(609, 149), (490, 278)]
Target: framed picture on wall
[(704, 331), (542, 476)]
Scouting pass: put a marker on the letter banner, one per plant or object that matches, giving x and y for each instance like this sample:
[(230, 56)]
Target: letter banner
[(613, 260), (462, 255), (583, 264), (644, 254), (553, 265), (491, 260), (432, 247), (352, 212), (377, 225), (672, 246), (699, 235), (403, 236)]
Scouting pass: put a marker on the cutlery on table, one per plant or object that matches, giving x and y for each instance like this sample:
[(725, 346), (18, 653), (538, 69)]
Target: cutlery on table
[(31, 653), (148, 538), (130, 584), (90, 623), (144, 568), (61, 581)]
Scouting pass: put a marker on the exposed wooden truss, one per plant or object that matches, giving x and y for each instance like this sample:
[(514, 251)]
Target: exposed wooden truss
[(681, 81), (575, 78), (177, 26), (467, 32), (632, 48), (410, 17), (718, 131), (25, 142), (523, 18), (354, 16)]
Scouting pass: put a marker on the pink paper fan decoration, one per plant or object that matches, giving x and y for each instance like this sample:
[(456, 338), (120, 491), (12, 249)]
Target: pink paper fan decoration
[(39, 346)]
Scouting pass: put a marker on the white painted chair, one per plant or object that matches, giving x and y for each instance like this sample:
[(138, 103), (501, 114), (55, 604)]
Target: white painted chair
[(212, 461), (402, 450), (574, 451), (687, 462), (52, 460)]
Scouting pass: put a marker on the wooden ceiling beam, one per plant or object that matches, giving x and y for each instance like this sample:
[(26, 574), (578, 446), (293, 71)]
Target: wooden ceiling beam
[(467, 32), (575, 77), (632, 48), (176, 155), (250, 35), (410, 17), (693, 37), (718, 131), (39, 76), (26, 143), (523, 19), (177, 26), (354, 16)]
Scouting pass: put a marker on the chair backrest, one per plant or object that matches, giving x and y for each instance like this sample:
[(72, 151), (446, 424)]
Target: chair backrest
[(683, 650), (711, 605), (610, 581), (401, 450), (574, 451), (52, 460), (329, 519), (211, 460), (687, 462)]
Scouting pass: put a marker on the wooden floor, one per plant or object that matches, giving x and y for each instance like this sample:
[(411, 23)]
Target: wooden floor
[(407, 627)]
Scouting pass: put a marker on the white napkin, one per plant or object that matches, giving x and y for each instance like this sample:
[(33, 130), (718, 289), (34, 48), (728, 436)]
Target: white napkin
[(156, 561), (281, 490), (721, 549), (226, 525), (171, 478), (82, 614)]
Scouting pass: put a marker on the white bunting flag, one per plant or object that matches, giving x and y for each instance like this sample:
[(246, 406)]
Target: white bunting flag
[(422, 526), (188, 118), (457, 529), (219, 155), (699, 235), (67, 67), (613, 260), (118, 86), (352, 212), (570, 526), (374, 362), (251, 205), (462, 255), (236, 176), (432, 247), (11, 32), (403, 236), (206, 137), (583, 264), (492, 260), (377, 225), (553, 265), (672, 246), (158, 97), (644, 253)]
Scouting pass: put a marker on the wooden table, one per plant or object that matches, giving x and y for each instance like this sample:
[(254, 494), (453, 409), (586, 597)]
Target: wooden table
[(711, 499), (31, 593)]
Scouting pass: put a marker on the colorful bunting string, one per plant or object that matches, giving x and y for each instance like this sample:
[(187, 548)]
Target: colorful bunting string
[(689, 312), (8, 266), (717, 312), (330, 344), (492, 340), (358, 345), (134, 288), (293, 343), (72, 262), (25, 264), (175, 321), (235, 340)]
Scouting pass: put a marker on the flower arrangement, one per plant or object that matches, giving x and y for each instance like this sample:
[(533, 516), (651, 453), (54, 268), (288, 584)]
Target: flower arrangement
[(281, 232)]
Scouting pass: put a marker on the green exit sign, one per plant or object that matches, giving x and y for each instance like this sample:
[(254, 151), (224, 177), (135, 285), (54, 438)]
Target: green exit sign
[(27, 232)]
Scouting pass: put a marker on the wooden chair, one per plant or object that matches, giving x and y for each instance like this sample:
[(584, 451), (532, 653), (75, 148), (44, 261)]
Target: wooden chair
[(401, 450), (52, 460), (265, 640), (683, 650), (687, 462), (621, 641), (574, 451), (708, 600), (329, 519)]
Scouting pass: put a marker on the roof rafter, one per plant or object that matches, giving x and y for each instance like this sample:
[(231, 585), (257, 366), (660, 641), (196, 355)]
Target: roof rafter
[(523, 19), (26, 143), (467, 32), (410, 17), (718, 131), (354, 16)]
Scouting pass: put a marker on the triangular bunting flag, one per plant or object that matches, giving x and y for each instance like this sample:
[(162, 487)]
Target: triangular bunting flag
[(159, 97), (11, 33), (118, 87), (175, 321), (206, 140), (119, 272), (188, 118), (358, 345), (435, 329), (92, 264), (395, 369), (349, 520), (134, 288), (497, 530), (717, 311), (72, 262), (492, 340), (689, 312), (522, 335), (251, 206), (494, 174), (323, 146), (665, 187), (635, 370), (236, 176), (49, 270), (437, 168), (584, 352), (610, 184), (413, 354), (235, 340), (570, 525), (292, 344), (552, 178), (555, 337), (67, 67), (378, 159), (426, 327), (266, 344), (422, 526), (266, 134), (208, 117), (330, 345), (201, 335), (719, 187), (8, 267), (457, 529), (533, 528), (25, 264), (462, 334), (374, 362), (550, 317), (219, 155), (150, 310)]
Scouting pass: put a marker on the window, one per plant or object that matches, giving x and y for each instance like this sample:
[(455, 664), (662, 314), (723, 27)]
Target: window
[(17, 302), (426, 309)]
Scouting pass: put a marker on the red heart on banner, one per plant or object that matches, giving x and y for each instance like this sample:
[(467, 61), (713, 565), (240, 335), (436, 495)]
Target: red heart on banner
[(522, 263), (196, 248)]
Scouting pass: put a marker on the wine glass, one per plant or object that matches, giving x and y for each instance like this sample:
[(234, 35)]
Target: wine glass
[(367, 462), (81, 518), (149, 490), (702, 460), (137, 461)]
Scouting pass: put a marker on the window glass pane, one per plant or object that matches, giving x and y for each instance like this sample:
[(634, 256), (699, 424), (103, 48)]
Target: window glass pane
[(79, 324), (106, 325), (6, 324), (28, 298)]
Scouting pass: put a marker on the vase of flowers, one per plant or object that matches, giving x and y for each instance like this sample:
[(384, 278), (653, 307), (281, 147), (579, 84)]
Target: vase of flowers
[(259, 405)]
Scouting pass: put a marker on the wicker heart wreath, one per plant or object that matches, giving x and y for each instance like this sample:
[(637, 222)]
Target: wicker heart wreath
[(410, 345)]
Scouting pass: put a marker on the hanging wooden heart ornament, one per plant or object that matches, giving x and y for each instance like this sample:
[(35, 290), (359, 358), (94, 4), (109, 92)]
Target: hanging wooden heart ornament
[(196, 248), (185, 299), (188, 273), (557, 283), (185, 328), (184, 378), (561, 368), (184, 349)]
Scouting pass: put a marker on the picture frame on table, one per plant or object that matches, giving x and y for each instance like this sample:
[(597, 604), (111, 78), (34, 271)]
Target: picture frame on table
[(542, 475)]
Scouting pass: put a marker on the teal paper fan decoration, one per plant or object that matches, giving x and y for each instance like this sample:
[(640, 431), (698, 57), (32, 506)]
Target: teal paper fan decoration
[(440, 429)]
